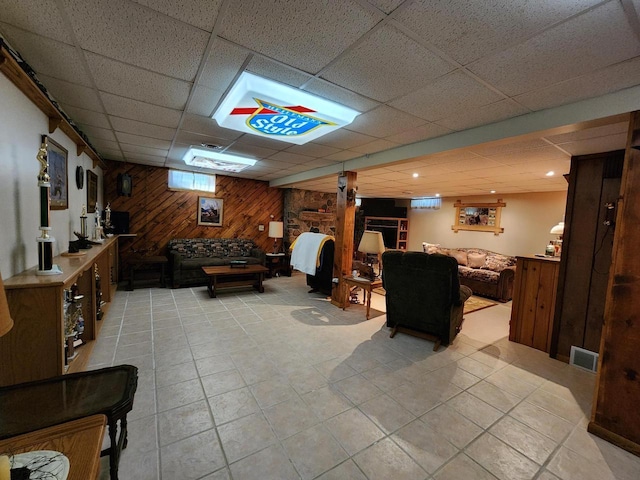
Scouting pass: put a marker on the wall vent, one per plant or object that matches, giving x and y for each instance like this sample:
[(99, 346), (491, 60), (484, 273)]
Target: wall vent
[(584, 359)]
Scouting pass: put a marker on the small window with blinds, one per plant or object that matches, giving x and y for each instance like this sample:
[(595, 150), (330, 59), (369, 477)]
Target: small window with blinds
[(201, 182), (433, 203)]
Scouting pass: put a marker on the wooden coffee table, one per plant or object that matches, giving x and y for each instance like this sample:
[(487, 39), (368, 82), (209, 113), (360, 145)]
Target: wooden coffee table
[(226, 276)]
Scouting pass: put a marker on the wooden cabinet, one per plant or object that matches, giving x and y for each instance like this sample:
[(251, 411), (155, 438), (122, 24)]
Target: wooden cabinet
[(34, 348), (534, 299), (395, 231)]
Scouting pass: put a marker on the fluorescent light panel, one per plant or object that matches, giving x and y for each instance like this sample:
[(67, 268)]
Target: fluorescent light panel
[(208, 158), (270, 109)]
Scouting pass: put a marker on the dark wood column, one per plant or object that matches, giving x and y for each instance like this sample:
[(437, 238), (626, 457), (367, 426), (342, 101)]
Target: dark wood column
[(345, 222), (616, 416)]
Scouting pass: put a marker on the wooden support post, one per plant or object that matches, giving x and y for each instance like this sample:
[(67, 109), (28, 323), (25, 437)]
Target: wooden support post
[(615, 415), (345, 224)]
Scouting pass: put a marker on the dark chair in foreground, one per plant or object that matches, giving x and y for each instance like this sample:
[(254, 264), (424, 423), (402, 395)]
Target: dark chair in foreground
[(423, 295), (322, 280)]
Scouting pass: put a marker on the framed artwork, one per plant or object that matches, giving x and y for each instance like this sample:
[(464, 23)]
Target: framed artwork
[(479, 217), (92, 191), (210, 211), (57, 159)]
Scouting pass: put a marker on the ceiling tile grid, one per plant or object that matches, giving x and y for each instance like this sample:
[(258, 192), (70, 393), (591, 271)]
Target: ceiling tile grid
[(199, 13), (143, 112)]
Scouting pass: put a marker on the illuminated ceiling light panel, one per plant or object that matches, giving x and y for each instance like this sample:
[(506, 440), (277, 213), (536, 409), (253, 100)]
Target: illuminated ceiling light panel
[(208, 158), (270, 109)]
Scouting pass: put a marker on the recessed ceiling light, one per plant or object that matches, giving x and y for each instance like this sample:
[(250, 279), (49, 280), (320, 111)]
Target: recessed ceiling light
[(270, 109), (550, 173), (209, 158), (492, 191), (415, 175), (437, 194)]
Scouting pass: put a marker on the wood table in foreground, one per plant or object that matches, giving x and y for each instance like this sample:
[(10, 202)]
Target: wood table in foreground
[(364, 284), (226, 276), (80, 441)]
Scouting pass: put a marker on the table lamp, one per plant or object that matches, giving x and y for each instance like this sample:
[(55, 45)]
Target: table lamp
[(372, 243), (276, 231), (559, 231), (6, 322)]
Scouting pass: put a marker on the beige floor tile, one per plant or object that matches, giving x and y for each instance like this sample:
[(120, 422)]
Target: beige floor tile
[(314, 451), (345, 471), (354, 430), (569, 410), (386, 413), (424, 445), (222, 382), (416, 399), (144, 405), (272, 391), (358, 389), (140, 467), (183, 422), (271, 462), (326, 402), (569, 465), (290, 417), (175, 374), (385, 460), (452, 425), (232, 405), (306, 380), (500, 459), (463, 468), (192, 457), (178, 394), (494, 396), (524, 439), (476, 410), (542, 421), (240, 438)]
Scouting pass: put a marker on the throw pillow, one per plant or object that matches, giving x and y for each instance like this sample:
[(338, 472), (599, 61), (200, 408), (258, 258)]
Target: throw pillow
[(476, 260), (430, 247), (460, 256)]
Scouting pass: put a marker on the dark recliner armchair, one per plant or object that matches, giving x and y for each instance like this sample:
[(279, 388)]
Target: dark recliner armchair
[(423, 295)]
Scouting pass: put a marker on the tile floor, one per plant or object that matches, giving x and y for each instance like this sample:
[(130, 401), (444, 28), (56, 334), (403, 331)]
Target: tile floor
[(283, 385)]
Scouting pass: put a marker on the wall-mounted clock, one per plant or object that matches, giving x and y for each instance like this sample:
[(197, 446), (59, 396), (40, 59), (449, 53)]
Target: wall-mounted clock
[(79, 177)]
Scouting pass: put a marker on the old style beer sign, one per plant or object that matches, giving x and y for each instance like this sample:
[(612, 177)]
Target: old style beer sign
[(270, 109)]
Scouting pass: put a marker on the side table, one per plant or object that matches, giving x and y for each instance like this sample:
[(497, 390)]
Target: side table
[(363, 283), (137, 261), (79, 440), (278, 264)]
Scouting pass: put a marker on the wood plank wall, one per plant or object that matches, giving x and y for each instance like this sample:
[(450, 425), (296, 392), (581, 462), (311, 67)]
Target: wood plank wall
[(158, 214)]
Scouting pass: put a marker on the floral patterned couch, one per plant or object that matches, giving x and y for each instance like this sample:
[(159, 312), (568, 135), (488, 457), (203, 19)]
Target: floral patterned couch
[(486, 273), (187, 256)]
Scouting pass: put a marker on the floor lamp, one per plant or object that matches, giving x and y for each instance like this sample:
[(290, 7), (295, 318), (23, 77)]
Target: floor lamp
[(372, 243)]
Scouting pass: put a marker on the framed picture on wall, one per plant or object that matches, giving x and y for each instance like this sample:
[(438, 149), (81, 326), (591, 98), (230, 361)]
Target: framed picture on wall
[(210, 211), (479, 217), (57, 159), (92, 191)]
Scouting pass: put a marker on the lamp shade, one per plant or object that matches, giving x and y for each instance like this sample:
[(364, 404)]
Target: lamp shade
[(558, 229), (6, 322), (276, 229), (371, 242)]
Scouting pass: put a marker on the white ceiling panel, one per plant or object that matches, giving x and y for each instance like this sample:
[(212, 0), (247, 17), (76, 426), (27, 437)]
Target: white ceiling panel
[(340, 95), (375, 146), (190, 138), (291, 158), (375, 68), (344, 139), (141, 111), (468, 30), (343, 155), (596, 145), (204, 101), (506, 148), (207, 126), (98, 133), (107, 144), (87, 117), (446, 95), (539, 62), (312, 149), (145, 159), (423, 132), (132, 82), (267, 68), (158, 152), (247, 150), (530, 155), (72, 94), (258, 141), (304, 35), (384, 121), (483, 115), (39, 16), (199, 13), (52, 58), (112, 154), (590, 133), (224, 63), (140, 128), (143, 141), (128, 32)]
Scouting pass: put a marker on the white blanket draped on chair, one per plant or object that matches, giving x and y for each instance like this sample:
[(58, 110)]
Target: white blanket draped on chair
[(305, 255)]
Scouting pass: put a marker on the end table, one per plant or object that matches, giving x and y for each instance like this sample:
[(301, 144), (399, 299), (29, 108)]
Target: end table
[(363, 283), (278, 264)]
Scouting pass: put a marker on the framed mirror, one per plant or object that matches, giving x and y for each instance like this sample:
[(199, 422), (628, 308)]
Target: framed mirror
[(479, 217)]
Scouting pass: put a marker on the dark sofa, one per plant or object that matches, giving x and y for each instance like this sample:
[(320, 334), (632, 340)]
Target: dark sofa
[(187, 256), (423, 295)]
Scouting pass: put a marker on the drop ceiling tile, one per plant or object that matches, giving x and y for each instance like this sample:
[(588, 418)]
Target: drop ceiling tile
[(158, 152), (384, 121), (517, 157), (111, 154), (71, 93), (343, 155), (276, 165), (207, 126), (40, 16), (423, 132), (507, 147), (387, 6), (101, 144), (199, 13), (132, 82), (483, 115), (471, 164), (204, 101), (312, 149), (590, 133), (289, 31), (602, 35), (223, 64), (144, 112), (445, 96), (87, 117), (249, 150), (606, 80), (264, 142), (190, 138), (267, 68), (596, 145), (49, 57), (375, 146), (340, 95), (426, 172), (97, 132), (293, 159), (143, 141), (471, 30), (344, 138), (128, 32), (145, 159), (140, 128), (376, 69), (177, 152)]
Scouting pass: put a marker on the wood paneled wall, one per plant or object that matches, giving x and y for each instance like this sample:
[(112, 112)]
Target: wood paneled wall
[(157, 214)]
